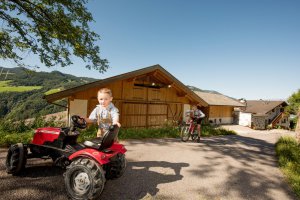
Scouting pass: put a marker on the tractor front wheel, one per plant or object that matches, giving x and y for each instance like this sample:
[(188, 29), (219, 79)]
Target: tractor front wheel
[(84, 179)]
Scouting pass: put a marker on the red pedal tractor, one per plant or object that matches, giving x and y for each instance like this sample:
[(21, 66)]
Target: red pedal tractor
[(87, 165)]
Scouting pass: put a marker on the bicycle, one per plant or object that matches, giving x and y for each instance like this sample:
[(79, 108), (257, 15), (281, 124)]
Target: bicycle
[(189, 129)]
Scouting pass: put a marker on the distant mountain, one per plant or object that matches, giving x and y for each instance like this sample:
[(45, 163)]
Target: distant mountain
[(200, 90), (31, 87), (193, 88)]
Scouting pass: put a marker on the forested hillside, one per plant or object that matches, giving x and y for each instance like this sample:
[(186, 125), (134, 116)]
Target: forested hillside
[(22, 91), (200, 90)]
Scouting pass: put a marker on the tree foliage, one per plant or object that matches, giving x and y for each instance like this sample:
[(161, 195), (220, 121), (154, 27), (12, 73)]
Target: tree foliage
[(294, 103), (53, 29)]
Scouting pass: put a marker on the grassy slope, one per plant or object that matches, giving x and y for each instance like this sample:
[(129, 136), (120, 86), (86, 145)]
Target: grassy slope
[(288, 152), (5, 87), (52, 91)]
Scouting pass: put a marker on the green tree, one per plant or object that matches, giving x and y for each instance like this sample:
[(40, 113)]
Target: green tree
[(294, 103), (53, 29)]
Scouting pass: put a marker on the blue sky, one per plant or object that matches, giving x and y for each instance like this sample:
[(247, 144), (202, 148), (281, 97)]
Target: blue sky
[(241, 48)]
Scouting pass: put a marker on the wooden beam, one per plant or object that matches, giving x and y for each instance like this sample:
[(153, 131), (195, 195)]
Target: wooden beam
[(131, 79), (181, 94)]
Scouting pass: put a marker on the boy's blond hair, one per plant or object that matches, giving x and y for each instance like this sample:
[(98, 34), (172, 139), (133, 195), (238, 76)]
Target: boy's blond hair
[(105, 90)]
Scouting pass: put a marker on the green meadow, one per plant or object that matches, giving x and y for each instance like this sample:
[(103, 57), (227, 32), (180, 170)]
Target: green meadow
[(5, 87), (52, 91)]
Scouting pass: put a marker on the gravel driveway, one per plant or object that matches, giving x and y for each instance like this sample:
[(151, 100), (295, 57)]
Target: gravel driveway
[(229, 167)]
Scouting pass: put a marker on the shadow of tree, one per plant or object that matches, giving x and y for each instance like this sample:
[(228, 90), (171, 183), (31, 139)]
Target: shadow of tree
[(3, 153), (228, 166), (164, 141), (251, 168), (42, 171), (141, 179), (37, 181)]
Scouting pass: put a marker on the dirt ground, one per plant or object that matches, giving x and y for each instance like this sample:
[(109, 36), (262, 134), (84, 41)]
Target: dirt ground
[(235, 167)]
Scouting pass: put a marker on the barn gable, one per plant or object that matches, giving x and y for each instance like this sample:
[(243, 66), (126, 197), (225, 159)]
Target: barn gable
[(145, 97)]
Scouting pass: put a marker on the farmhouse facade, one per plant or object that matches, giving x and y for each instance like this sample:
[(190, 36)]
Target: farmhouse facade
[(146, 97), (261, 114)]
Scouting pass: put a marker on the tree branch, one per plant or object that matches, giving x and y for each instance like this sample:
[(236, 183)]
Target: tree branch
[(11, 20)]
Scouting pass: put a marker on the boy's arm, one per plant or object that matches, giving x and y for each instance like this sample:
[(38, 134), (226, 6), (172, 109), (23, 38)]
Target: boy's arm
[(90, 121), (115, 117), (202, 115)]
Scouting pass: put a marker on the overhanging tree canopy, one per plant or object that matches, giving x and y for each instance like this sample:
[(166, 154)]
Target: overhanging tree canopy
[(53, 29), (294, 103)]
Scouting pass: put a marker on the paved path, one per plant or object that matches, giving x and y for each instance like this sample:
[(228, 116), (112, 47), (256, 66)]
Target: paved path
[(219, 168)]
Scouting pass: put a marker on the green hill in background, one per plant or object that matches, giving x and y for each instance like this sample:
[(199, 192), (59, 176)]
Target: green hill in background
[(22, 91), (193, 88)]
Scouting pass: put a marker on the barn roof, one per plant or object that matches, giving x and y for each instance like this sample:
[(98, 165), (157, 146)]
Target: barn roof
[(262, 106), (213, 99), (155, 70)]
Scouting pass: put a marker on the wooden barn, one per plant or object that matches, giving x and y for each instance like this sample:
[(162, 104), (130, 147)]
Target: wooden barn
[(145, 97), (220, 109)]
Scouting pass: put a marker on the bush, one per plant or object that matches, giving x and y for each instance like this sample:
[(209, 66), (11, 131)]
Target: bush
[(20, 131), (288, 153), (13, 138), (88, 133), (9, 126), (139, 133)]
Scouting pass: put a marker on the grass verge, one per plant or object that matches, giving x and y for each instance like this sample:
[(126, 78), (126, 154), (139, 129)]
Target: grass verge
[(288, 153)]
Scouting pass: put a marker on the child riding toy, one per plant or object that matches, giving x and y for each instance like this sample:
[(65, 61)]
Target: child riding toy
[(87, 165)]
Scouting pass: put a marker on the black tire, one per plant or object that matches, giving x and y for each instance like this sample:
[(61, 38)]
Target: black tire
[(194, 137), (185, 135), (84, 179), (116, 167), (16, 159)]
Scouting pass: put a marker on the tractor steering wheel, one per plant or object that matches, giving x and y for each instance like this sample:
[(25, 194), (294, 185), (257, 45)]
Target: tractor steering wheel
[(78, 121)]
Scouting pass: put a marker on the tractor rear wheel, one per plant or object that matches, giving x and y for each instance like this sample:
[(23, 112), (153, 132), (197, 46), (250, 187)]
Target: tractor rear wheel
[(116, 167), (16, 159)]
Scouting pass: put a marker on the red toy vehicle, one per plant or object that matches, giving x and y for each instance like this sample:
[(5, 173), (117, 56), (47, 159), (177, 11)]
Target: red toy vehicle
[(88, 165)]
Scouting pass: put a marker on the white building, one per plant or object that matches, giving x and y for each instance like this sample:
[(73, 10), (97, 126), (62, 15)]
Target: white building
[(261, 114)]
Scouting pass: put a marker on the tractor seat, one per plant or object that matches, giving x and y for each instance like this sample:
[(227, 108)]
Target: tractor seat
[(93, 143), (101, 143)]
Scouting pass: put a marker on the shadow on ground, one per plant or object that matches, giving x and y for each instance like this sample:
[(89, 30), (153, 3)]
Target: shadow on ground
[(248, 166), (251, 166), (141, 179), (41, 180), (149, 141)]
